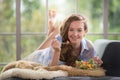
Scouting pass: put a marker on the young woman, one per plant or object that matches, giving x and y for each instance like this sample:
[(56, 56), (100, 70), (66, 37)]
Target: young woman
[(72, 47)]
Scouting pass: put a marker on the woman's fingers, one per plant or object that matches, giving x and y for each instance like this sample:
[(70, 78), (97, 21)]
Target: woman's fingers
[(56, 45), (98, 60)]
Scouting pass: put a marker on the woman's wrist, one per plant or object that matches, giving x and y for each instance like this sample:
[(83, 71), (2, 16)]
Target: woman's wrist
[(55, 59), (57, 50)]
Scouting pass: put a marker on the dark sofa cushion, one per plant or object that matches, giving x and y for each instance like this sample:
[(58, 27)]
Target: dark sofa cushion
[(111, 59)]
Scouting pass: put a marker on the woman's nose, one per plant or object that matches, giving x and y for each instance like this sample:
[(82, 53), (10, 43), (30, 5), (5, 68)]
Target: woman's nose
[(75, 33)]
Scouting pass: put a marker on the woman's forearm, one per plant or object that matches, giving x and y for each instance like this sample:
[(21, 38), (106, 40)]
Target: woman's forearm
[(55, 59)]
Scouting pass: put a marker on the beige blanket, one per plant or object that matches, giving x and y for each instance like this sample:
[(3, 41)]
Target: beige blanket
[(32, 70)]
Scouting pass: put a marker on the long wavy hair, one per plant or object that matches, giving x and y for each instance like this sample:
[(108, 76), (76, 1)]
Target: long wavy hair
[(66, 49)]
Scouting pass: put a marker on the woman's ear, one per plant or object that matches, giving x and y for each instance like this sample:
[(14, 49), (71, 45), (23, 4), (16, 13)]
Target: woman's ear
[(86, 30)]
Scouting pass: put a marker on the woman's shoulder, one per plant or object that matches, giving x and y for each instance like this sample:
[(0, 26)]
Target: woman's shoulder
[(89, 43)]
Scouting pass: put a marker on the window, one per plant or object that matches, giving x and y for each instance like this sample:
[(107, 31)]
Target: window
[(24, 23)]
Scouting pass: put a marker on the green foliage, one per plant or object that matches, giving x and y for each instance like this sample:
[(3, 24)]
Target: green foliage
[(7, 7), (114, 11), (30, 43), (35, 24), (94, 37), (1, 67), (6, 16), (7, 49), (116, 37), (96, 8), (29, 7)]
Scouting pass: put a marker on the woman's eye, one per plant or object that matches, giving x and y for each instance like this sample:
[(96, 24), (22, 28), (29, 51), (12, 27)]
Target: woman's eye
[(75, 30), (79, 30), (71, 30)]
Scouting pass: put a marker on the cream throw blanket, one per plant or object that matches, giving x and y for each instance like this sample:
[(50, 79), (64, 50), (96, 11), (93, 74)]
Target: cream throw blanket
[(32, 74), (32, 70)]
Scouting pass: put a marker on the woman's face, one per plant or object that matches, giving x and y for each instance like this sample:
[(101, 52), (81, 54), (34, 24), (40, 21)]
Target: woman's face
[(76, 32)]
